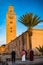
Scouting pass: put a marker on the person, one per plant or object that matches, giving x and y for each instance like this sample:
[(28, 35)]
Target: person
[(31, 54), (13, 54), (23, 55)]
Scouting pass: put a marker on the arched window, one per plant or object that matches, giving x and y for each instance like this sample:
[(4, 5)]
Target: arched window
[(11, 22)]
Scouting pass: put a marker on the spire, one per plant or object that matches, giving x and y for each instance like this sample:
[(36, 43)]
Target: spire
[(10, 9)]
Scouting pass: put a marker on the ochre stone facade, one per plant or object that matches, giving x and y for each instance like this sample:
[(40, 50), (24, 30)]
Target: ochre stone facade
[(17, 44), (10, 25), (37, 38)]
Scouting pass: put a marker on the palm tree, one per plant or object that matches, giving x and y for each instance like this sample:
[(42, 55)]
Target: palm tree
[(3, 45), (30, 20), (40, 48)]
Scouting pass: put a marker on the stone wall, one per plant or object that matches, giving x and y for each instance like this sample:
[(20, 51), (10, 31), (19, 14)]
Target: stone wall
[(17, 44)]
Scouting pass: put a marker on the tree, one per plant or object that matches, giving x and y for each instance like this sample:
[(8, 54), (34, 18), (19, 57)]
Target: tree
[(3, 45), (40, 48), (30, 20)]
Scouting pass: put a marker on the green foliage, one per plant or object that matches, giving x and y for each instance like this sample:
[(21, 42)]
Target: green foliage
[(29, 20), (3, 45), (40, 48)]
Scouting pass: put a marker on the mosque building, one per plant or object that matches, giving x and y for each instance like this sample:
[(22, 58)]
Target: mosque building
[(14, 42)]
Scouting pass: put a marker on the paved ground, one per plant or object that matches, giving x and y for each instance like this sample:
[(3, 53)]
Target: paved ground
[(27, 62)]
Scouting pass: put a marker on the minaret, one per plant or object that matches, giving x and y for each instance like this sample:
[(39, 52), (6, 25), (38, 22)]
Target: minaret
[(10, 25)]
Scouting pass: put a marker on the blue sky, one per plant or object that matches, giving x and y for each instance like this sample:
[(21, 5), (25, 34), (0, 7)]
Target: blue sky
[(20, 7)]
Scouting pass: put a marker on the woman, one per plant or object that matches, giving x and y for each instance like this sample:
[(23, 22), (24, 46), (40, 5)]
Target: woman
[(23, 55)]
